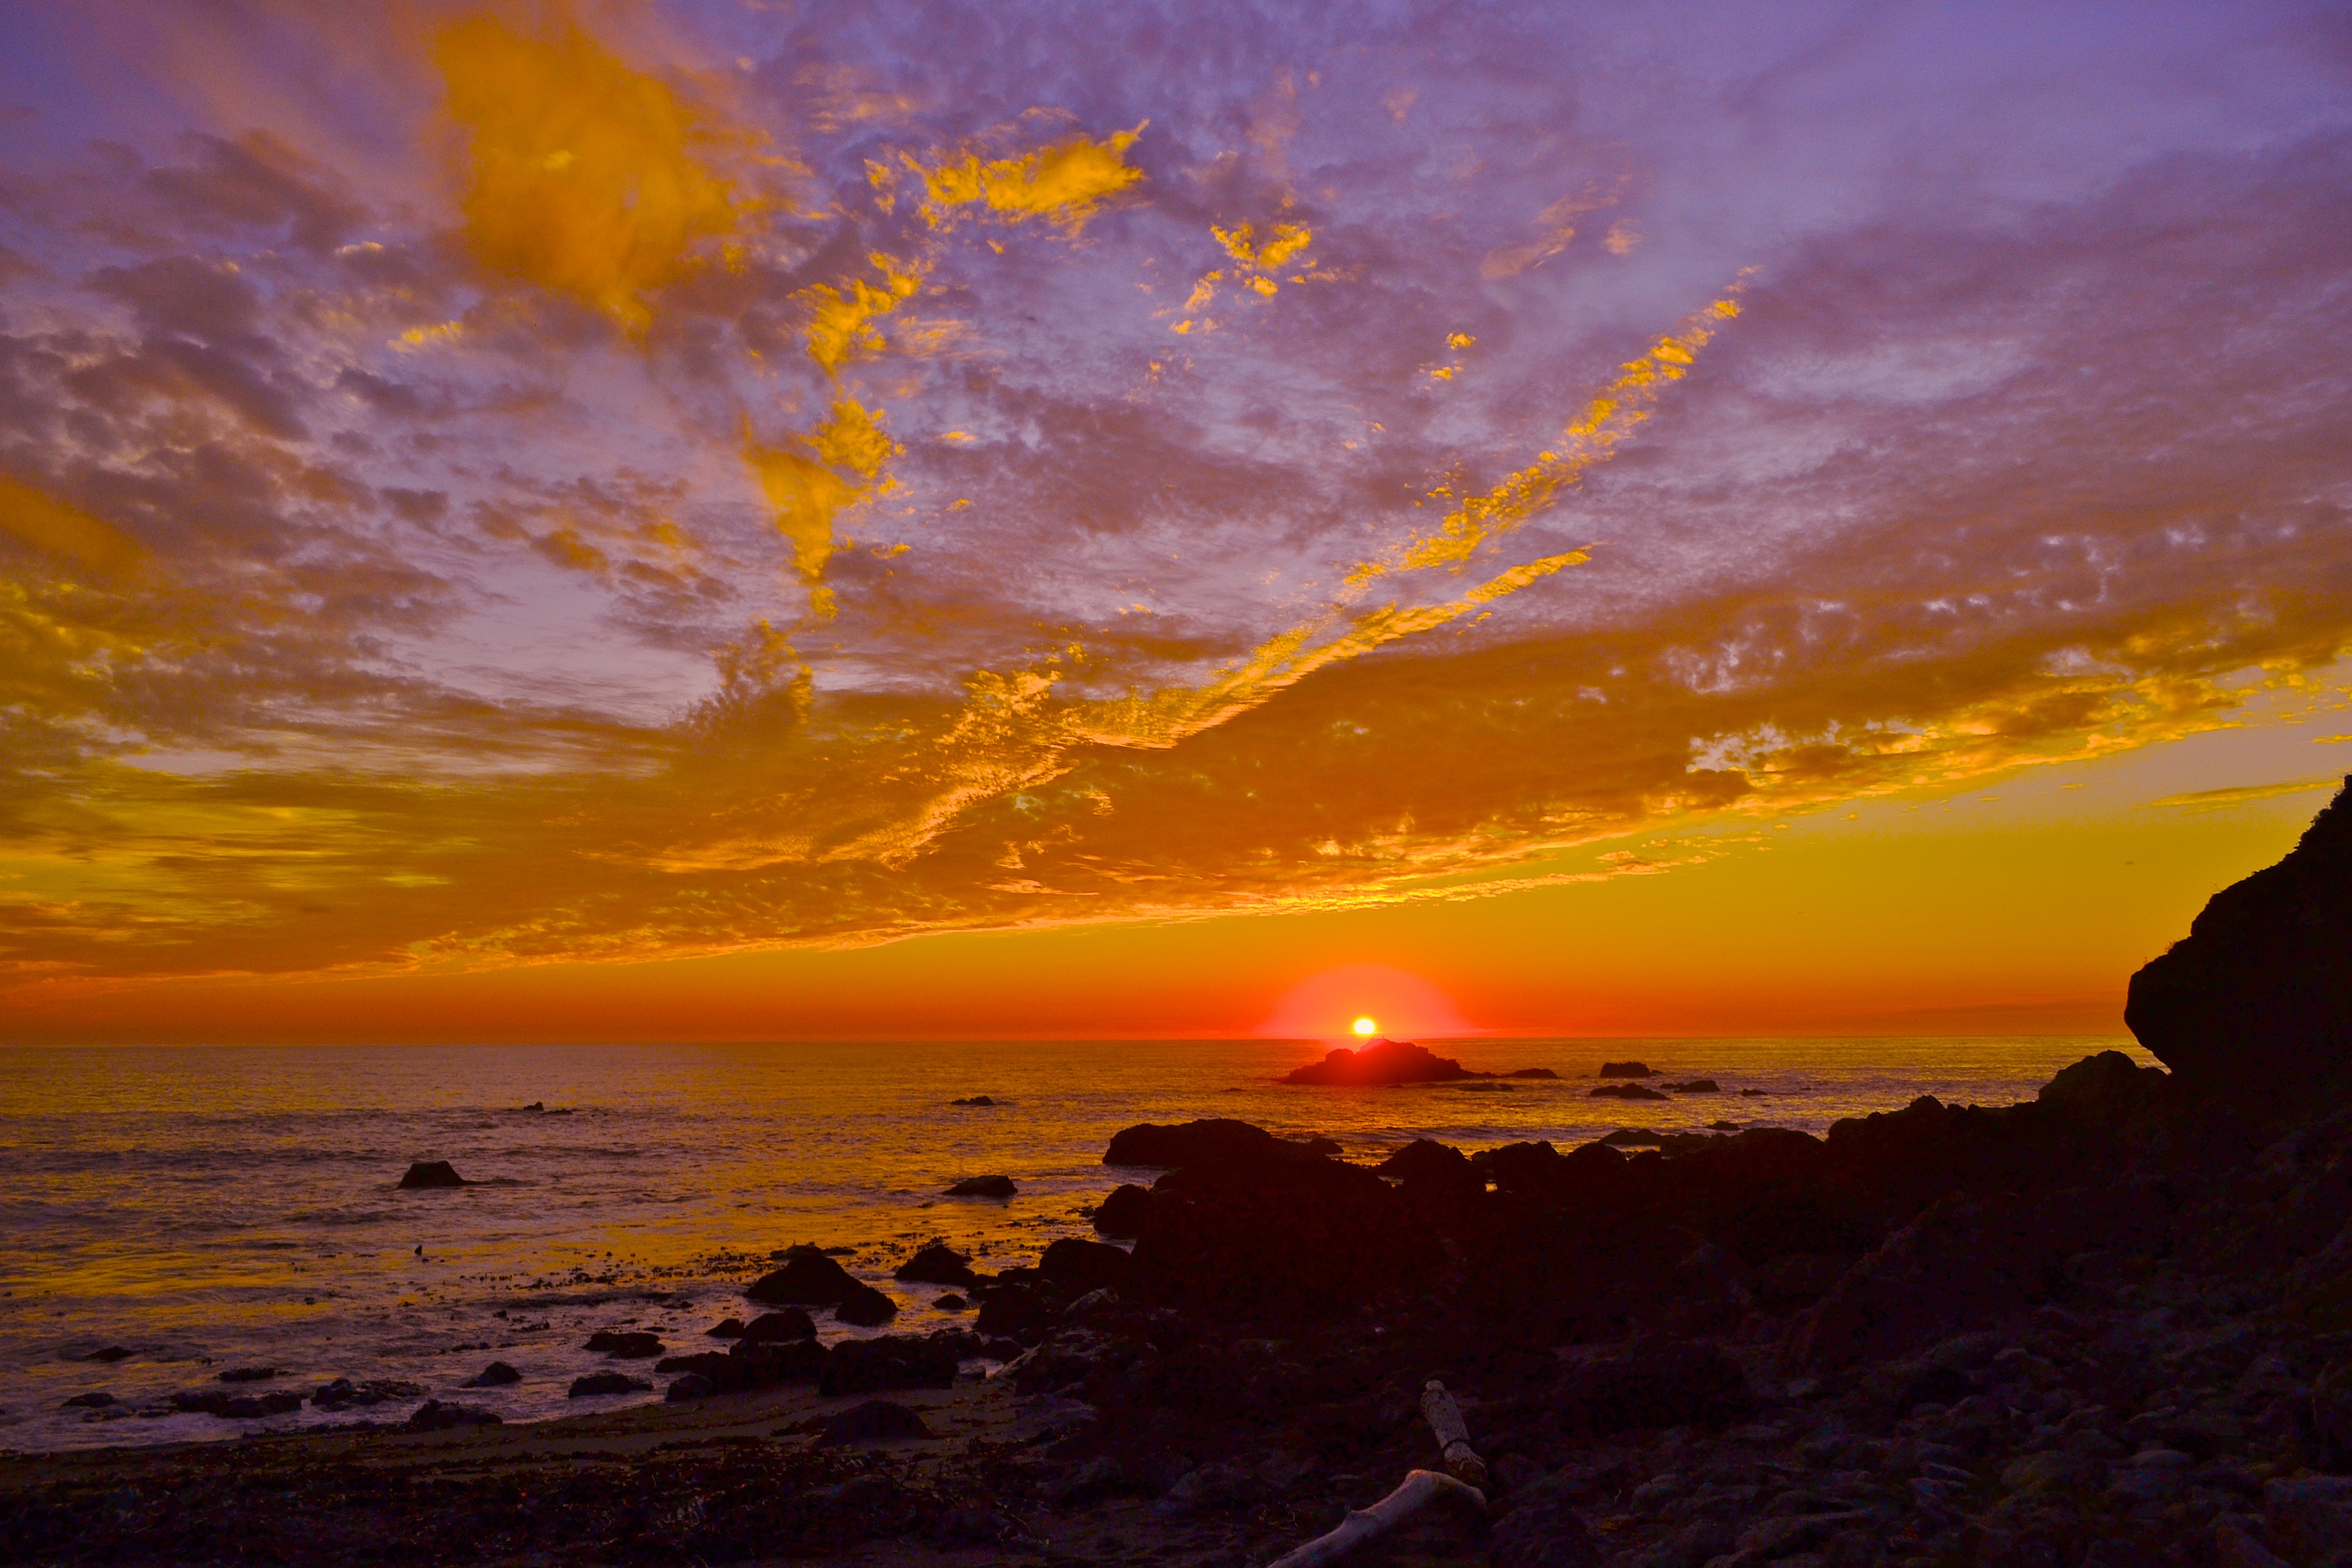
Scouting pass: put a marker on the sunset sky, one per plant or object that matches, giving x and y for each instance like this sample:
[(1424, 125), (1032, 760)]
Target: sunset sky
[(753, 520)]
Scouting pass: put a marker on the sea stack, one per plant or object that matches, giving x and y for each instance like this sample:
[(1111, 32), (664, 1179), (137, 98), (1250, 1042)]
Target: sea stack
[(432, 1174), (2255, 1005)]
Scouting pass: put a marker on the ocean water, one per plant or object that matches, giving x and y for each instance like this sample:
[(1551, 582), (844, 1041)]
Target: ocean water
[(210, 1208)]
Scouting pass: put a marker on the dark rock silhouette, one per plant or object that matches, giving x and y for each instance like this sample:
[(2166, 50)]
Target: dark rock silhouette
[(728, 1328), (248, 1375), (864, 1308), (1532, 1072), (1623, 1091), (1076, 1267), (108, 1355), (343, 1393), (435, 1415), (936, 1263), (876, 1421), (1626, 1069), (96, 1400), (792, 1323), (597, 1383), (498, 1374), (1696, 1086), (892, 1361), (2255, 1005), (974, 1099), (1383, 1061), (1211, 1140), (432, 1174), (625, 1344), (1632, 1137), (984, 1187), (808, 1279), (692, 1385), (236, 1406), (1122, 1211)]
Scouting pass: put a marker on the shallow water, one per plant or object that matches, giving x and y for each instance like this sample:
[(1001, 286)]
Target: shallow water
[(216, 1207)]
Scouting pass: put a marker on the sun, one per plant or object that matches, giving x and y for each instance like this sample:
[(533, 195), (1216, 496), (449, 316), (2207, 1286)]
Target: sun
[(1365, 1026)]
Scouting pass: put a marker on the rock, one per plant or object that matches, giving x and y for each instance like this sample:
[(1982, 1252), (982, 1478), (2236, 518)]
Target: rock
[(1217, 1140), (2255, 1005), (1698, 1086), (1723, 1126), (1660, 1381), (1542, 1529), (432, 1174), (973, 1099), (792, 1323), (1755, 1094), (1623, 1091), (889, 1362), (2310, 1513), (109, 1355), (1016, 1312), (728, 1328), (692, 1385), (498, 1374), (876, 1421), (951, 1302), (95, 1400), (1076, 1267), (434, 1416), (624, 1344), (597, 1383), (1631, 1138), (248, 1375), (2105, 1090), (937, 1264), (236, 1406), (342, 1391), (864, 1308), (1532, 1072), (984, 1187), (808, 1279), (1122, 1211), (1382, 1062), (1427, 1170), (1626, 1069)]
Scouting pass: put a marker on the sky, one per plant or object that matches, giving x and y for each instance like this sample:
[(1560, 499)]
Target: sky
[(749, 520)]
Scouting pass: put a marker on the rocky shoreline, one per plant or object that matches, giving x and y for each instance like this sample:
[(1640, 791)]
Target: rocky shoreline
[(2108, 1326)]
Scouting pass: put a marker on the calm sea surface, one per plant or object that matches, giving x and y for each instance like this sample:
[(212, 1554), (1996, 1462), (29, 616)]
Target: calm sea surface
[(210, 1208)]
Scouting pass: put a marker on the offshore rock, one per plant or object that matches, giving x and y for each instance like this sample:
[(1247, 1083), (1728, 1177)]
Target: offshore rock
[(808, 1279), (1219, 1141), (1382, 1062), (938, 1264), (429, 1173), (1623, 1091), (498, 1374), (984, 1187), (2255, 1005), (1626, 1069), (597, 1383), (625, 1344)]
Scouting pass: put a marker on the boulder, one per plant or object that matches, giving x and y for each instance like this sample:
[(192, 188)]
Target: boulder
[(432, 1174), (1632, 1138), (889, 1362), (728, 1328), (973, 1099), (1623, 1091), (1382, 1062), (1122, 1211), (1696, 1086), (951, 1302), (344, 1393), (2108, 1089), (692, 1385), (876, 1421), (984, 1187), (498, 1374), (1532, 1072), (236, 1406), (1075, 1268), (1626, 1069), (808, 1279), (864, 1308), (1426, 1169), (938, 1264), (624, 1344), (435, 1415), (759, 1364), (2255, 1005), (1212, 1141), (597, 1383), (792, 1323)]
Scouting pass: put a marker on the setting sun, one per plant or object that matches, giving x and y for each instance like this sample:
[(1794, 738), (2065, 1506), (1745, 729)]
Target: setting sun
[(1365, 1026)]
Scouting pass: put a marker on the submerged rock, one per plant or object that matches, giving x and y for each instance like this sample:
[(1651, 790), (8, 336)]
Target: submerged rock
[(974, 1099), (984, 1187), (97, 1399), (625, 1344), (432, 1174), (498, 1374), (2255, 1005), (1623, 1091)]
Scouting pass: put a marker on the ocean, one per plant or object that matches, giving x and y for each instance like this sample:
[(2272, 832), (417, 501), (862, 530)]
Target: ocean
[(213, 1208)]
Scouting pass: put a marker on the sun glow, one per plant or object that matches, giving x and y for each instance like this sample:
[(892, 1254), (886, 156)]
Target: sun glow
[(1365, 1026)]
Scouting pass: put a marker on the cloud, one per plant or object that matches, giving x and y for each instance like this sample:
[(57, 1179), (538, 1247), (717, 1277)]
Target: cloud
[(370, 602)]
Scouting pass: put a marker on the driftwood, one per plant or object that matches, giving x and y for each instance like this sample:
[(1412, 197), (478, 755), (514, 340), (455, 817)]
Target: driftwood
[(1444, 1418), (1421, 1489)]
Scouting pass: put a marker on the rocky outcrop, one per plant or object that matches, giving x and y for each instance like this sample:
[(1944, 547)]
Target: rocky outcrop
[(864, 1308), (792, 1323), (1627, 1069), (984, 1187), (808, 1279), (2255, 1005), (1382, 1062), (430, 1174), (1213, 1141)]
